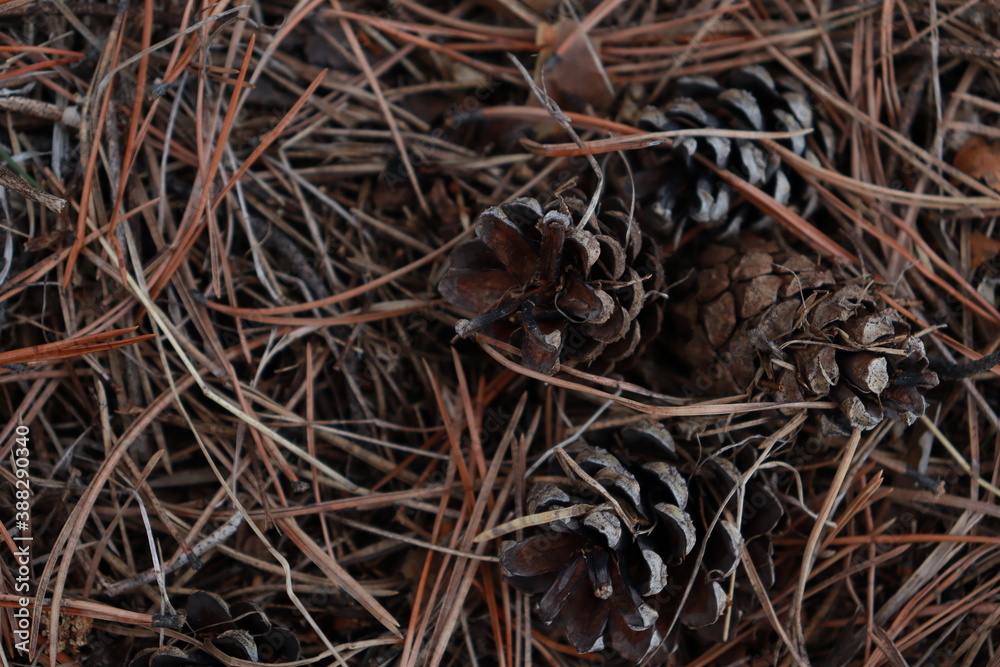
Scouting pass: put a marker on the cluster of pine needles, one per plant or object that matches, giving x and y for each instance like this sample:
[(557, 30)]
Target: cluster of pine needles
[(223, 229)]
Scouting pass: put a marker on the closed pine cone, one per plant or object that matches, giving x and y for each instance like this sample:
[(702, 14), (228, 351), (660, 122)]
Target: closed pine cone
[(674, 188), (560, 292), (614, 572), (777, 323)]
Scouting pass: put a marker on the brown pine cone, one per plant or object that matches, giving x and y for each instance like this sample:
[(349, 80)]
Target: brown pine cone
[(774, 322), (560, 292), (241, 631), (674, 188), (614, 570)]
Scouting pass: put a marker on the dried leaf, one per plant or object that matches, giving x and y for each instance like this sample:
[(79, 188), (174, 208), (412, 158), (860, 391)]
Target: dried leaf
[(984, 248), (571, 69), (980, 158)]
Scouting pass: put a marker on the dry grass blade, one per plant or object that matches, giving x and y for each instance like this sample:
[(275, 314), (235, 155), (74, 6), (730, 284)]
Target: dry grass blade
[(338, 575), (709, 408), (812, 546), (762, 595), (343, 296), (376, 87), (458, 590), (71, 347), (195, 222), (888, 649), (539, 519), (647, 140), (86, 608), (14, 181), (93, 121)]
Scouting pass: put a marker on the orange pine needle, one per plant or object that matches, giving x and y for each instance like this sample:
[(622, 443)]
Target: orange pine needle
[(71, 347)]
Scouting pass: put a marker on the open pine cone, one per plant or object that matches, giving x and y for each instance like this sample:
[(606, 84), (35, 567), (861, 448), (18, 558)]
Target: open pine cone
[(615, 568), (674, 188), (560, 292), (776, 322), (241, 631)]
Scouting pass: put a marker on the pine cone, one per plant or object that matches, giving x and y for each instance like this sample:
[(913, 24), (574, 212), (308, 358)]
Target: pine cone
[(674, 190), (615, 570), (560, 292), (772, 321), (241, 631)]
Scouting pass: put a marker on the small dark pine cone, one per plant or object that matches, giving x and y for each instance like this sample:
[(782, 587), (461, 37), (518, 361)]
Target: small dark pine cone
[(241, 631), (777, 323), (675, 188), (561, 293), (614, 573)]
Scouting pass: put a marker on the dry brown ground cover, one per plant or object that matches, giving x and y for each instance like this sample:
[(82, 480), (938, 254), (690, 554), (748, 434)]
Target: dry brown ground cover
[(221, 330)]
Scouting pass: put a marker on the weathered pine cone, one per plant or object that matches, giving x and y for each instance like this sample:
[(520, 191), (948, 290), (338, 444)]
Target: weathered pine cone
[(560, 292), (615, 570), (777, 323), (674, 189), (241, 631)]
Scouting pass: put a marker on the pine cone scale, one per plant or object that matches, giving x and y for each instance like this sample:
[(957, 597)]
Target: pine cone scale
[(539, 555), (704, 606), (555, 598), (586, 634), (476, 290), (508, 244), (867, 371), (818, 368)]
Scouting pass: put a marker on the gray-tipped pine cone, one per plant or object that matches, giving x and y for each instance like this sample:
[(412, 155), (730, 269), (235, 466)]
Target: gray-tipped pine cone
[(241, 631), (613, 570), (774, 322), (560, 292), (677, 188)]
